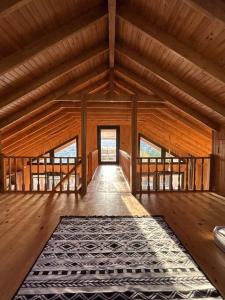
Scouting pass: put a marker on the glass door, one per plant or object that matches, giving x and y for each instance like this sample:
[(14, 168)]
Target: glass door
[(108, 144)]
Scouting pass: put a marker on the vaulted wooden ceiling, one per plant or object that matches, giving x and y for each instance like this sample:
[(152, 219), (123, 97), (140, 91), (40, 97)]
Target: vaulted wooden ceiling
[(53, 52)]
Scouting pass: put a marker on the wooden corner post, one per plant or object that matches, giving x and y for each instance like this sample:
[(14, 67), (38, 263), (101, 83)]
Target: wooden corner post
[(133, 177), (83, 145)]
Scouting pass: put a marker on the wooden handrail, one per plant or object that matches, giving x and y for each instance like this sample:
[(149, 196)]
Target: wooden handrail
[(174, 174)]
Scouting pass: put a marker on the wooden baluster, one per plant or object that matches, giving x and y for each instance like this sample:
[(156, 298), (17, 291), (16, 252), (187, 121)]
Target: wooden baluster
[(194, 174), (46, 177), (171, 174), (148, 176), (156, 174), (75, 173), (202, 174), (38, 171), (187, 175), (164, 175), (15, 172), (68, 177), (60, 170), (10, 175), (31, 176), (178, 174), (23, 175)]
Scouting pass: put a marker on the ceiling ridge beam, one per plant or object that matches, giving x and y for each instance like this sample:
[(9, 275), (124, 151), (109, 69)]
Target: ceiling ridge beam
[(112, 31), (171, 79), (76, 26), (166, 96), (172, 43), (55, 73)]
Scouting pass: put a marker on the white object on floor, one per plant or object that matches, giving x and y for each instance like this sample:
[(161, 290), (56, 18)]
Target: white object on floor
[(219, 236)]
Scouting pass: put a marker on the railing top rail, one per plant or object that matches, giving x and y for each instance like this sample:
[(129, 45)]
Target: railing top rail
[(43, 157), (177, 158)]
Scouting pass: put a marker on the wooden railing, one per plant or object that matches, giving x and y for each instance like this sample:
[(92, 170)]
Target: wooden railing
[(173, 174), (92, 164), (41, 174), (124, 161)]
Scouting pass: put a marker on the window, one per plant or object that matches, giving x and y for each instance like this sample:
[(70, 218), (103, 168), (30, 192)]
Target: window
[(148, 149), (69, 149)]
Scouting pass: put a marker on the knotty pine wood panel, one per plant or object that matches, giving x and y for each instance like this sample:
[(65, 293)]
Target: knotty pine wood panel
[(37, 18), (168, 60), (188, 25), (171, 89)]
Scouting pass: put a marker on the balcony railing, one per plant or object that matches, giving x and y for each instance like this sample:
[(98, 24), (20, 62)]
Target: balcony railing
[(173, 174), (41, 174)]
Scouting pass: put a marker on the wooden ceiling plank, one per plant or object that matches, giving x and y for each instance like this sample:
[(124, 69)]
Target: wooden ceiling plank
[(52, 38), (213, 9), (164, 95), (171, 79), (12, 131), (44, 140), (19, 136), (42, 131), (9, 6), (188, 123), (171, 43), (55, 73), (76, 84)]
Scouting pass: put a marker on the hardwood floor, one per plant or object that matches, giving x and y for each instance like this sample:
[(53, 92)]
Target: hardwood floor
[(28, 220)]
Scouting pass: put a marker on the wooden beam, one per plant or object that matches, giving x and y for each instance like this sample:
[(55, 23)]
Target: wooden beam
[(213, 9), (52, 38), (171, 79), (136, 89), (112, 31), (84, 146), (55, 73), (9, 6), (168, 41), (106, 98), (76, 84), (47, 131), (166, 96), (111, 82), (36, 132), (133, 158), (48, 113), (48, 137)]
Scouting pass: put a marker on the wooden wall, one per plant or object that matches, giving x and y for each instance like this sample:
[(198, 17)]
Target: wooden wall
[(219, 152)]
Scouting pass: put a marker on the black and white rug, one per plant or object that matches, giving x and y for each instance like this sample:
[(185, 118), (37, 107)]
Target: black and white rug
[(115, 258)]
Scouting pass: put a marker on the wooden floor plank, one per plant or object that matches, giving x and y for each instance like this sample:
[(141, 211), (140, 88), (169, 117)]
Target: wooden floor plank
[(28, 220)]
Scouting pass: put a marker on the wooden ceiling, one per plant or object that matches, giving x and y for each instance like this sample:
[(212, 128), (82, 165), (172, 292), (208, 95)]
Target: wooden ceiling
[(53, 53)]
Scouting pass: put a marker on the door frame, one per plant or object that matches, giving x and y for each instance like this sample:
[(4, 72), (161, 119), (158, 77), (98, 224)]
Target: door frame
[(117, 127)]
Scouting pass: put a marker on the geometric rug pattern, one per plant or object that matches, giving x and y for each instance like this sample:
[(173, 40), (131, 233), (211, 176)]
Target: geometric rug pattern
[(115, 258)]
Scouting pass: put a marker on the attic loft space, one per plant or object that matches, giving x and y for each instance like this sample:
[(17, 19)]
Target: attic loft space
[(112, 130)]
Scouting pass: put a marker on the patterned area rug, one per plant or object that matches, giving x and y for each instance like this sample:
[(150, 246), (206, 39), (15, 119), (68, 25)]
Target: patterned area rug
[(115, 258)]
